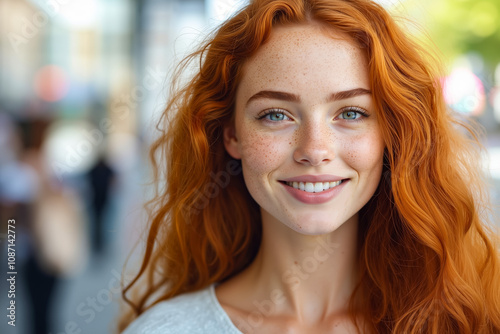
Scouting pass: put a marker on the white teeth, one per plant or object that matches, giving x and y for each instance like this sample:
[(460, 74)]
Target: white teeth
[(316, 187)]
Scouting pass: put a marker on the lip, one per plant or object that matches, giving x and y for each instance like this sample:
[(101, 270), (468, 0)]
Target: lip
[(315, 178), (315, 198)]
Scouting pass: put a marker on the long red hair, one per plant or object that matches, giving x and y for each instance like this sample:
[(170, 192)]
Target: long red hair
[(429, 262)]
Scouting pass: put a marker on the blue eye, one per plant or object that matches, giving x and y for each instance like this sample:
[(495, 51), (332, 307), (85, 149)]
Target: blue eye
[(274, 116), (352, 114), (349, 115)]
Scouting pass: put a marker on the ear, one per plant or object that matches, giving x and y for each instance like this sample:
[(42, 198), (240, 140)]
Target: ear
[(231, 142)]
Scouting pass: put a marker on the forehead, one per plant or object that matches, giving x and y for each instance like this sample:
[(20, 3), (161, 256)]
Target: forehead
[(300, 56)]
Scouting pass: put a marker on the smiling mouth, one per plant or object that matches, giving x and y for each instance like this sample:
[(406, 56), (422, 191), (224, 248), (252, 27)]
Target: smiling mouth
[(313, 187)]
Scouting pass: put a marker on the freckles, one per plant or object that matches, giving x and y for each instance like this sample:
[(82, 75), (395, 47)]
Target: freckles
[(363, 151), (260, 152), (351, 149)]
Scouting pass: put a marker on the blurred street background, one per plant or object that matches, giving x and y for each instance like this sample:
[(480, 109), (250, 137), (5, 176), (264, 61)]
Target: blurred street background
[(82, 84)]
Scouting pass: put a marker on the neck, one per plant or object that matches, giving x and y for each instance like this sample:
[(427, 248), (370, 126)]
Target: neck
[(309, 277)]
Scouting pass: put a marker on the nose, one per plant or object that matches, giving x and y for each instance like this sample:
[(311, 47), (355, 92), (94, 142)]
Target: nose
[(314, 146)]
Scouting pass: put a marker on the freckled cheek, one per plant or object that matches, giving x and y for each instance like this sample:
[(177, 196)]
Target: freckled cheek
[(364, 153), (263, 152)]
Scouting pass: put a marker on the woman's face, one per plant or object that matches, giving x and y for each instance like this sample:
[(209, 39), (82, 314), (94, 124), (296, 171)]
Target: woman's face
[(306, 129)]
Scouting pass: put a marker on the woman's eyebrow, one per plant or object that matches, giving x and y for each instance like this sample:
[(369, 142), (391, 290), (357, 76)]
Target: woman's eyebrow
[(275, 95), (346, 94), (283, 96)]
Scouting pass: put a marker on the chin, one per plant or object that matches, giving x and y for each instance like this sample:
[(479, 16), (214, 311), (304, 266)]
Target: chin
[(315, 227)]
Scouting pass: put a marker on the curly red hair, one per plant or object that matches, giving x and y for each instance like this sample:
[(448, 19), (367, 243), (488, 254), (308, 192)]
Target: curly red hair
[(428, 261)]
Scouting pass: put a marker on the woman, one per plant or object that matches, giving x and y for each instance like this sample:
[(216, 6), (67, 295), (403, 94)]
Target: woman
[(316, 184)]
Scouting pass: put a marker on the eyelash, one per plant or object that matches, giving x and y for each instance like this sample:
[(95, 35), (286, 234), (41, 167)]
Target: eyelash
[(357, 110), (270, 112)]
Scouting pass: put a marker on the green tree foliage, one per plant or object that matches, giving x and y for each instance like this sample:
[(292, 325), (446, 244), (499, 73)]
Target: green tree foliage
[(459, 26)]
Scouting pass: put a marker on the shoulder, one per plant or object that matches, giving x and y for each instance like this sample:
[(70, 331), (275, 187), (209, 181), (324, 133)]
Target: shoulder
[(194, 312)]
